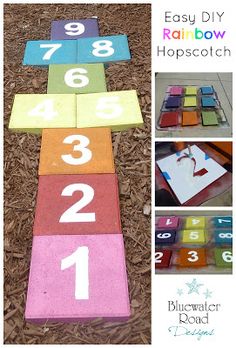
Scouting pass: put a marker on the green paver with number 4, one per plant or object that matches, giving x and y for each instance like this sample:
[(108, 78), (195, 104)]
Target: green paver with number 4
[(117, 110), (223, 257), (33, 112), (76, 78)]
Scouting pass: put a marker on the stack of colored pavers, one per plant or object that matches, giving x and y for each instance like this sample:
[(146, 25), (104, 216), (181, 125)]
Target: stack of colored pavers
[(190, 243), (191, 106), (78, 266)]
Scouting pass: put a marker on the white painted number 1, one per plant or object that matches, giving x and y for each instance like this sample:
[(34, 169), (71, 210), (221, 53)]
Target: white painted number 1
[(80, 258), (52, 49), (72, 214), (81, 147), (108, 103)]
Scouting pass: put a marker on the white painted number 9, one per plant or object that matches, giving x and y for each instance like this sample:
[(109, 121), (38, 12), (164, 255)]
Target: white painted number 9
[(74, 29), (72, 214), (194, 256), (163, 235), (102, 48), (81, 147), (75, 74)]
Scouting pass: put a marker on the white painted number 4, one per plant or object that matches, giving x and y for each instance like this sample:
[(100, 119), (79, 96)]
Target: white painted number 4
[(80, 258), (45, 110)]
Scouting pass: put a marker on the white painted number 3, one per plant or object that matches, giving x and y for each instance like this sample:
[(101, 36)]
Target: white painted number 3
[(72, 214), (80, 258), (194, 256), (81, 147)]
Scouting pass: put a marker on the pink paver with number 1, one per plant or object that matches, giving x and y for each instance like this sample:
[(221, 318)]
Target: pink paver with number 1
[(77, 277), (168, 222)]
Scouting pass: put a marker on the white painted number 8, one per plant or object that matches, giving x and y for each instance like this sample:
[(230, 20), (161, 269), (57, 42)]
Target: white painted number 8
[(81, 147), (102, 48), (73, 29), (75, 74)]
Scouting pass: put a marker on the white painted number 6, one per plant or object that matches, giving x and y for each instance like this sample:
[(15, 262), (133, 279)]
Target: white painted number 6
[(81, 260), (75, 74), (227, 256), (194, 256), (81, 147), (72, 214)]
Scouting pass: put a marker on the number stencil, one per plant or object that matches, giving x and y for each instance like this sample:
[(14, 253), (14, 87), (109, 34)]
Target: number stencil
[(117, 110), (192, 257), (103, 49), (33, 112), (168, 222), (77, 204), (222, 221), (106, 295), (76, 151), (45, 52), (74, 29), (196, 222), (76, 78)]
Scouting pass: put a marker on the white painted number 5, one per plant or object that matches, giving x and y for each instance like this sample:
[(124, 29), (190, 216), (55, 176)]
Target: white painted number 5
[(72, 214), (52, 49), (108, 103), (81, 147), (81, 260)]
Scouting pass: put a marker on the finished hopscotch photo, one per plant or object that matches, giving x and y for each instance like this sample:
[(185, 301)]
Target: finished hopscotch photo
[(77, 134), (193, 242)]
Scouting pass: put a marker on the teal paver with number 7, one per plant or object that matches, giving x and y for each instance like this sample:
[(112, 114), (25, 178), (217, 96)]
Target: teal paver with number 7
[(33, 112), (222, 221), (45, 52), (103, 49), (223, 257), (76, 78)]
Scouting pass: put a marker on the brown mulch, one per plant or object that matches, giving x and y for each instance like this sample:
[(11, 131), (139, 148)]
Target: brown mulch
[(132, 150)]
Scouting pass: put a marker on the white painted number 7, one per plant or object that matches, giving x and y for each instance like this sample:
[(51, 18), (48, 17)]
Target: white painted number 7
[(52, 49), (81, 260)]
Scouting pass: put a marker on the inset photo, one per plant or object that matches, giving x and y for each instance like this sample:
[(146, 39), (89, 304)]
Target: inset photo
[(193, 173), (193, 104), (198, 242)]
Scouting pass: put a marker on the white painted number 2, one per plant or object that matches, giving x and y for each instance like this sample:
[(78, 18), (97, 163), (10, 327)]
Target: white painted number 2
[(102, 48), (108, 103), (52, 49), (74, 78), (158, 256), (194, 256), (45, 109), (80, 258), (73, 29), (81, 147), (72, 214)]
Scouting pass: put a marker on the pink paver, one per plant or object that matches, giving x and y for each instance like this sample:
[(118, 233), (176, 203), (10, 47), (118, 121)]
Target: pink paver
[(168, 222), (176, 90), (52, 291)]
